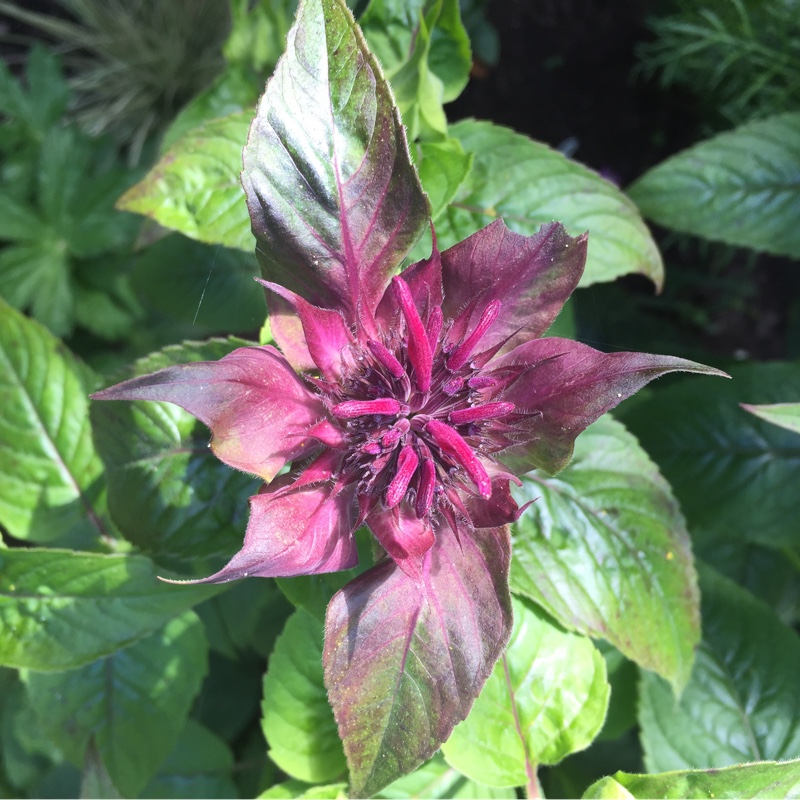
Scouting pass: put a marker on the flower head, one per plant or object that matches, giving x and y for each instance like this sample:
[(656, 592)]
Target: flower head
[(407, 412)]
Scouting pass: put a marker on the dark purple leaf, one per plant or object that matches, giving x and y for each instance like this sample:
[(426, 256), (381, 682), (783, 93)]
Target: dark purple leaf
[(405, 659), (334, 200)]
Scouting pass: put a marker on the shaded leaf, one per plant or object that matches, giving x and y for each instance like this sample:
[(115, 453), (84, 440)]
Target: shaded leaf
[(741, 187), (334, 200), (298, 789), (404, 659), (443, 166), (50, 484), (60, 609), (130, 706), (296, 717), (546, 698), (743, 700), (766, 779), (195, 188), (604, 549), (721, 462), (528, 184), (786, 415)]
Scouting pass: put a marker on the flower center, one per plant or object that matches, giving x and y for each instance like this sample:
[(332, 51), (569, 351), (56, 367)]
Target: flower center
[(419, 416)]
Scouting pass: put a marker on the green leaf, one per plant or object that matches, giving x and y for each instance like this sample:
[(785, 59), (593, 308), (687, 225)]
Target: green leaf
[(722, 462), (297, 721), (258, 33), (436, 779), (786, 415), (298, 789), (763, 780), (95, 780), (443, 166), (743, 700), (60, 609), (604, 550), (527, 184), (208, 286), (195, 188), (546, 698), (741, 187), (18, 221), (50, 475), (607, 789), (167, 492), (132, 705), (199, 766)]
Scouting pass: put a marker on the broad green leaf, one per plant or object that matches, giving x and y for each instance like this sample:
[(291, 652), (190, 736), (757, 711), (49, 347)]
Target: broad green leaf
[(742, 702), (167, 492), (206, 285), (527, 184), (258, 33), (195, 188), (298, 789), (95, 780), (786, 415), (741, 187), (443, 166), (334, 200), (60, 609), (604, 549), (766, 779), (546, 698), (18, 221), (131, 705), (200, 765), (50, 475), (734, 475), (296, 717), (607, 789), (437, 779)]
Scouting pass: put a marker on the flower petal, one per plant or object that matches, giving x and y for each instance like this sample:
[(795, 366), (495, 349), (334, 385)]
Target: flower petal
[(324, 332), (531, 277), (257, 408), (404, 536), (567, 387), (499, 509), (292, 532)]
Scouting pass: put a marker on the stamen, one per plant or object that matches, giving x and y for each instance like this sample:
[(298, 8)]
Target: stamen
[(462, 416), (386, 359), (419, 350), (453, 386), (406, 466), (427, 482), (464, 351), (449, 441), (386, 406), (482, 382)]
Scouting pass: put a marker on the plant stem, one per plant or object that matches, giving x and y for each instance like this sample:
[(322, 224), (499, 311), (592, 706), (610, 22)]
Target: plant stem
[(533, 791)]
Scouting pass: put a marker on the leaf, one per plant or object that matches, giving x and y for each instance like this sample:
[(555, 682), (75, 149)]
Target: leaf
[(200, 766), (721, 462), (607, 789), (334, 200), (209, 286), (546, 698), (528, 184), (167, 492), (743, 700), (436, 779), (404, 659), (766, 779), (296, 717), (298, 789), (443, 166), (786, 415), (195, 188), (50, 475), (131, 705), (605, 551), (60, 609), (741, 187)]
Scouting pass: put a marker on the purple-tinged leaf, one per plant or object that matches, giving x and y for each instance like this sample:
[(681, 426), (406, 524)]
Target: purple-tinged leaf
[(334, 200), (258, 410), (404, 659), (531, 277), (567, 387), (294, 531)]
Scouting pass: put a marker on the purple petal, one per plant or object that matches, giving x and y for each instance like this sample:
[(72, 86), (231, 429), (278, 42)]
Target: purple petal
[(499, 509), (531, 277), (567, 387), (403, 535), (325, 334), (291, 532), (405, 658), (258, 410)]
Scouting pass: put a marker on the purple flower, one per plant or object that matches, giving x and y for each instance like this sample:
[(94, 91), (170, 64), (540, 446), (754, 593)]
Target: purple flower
[(415, 407)]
